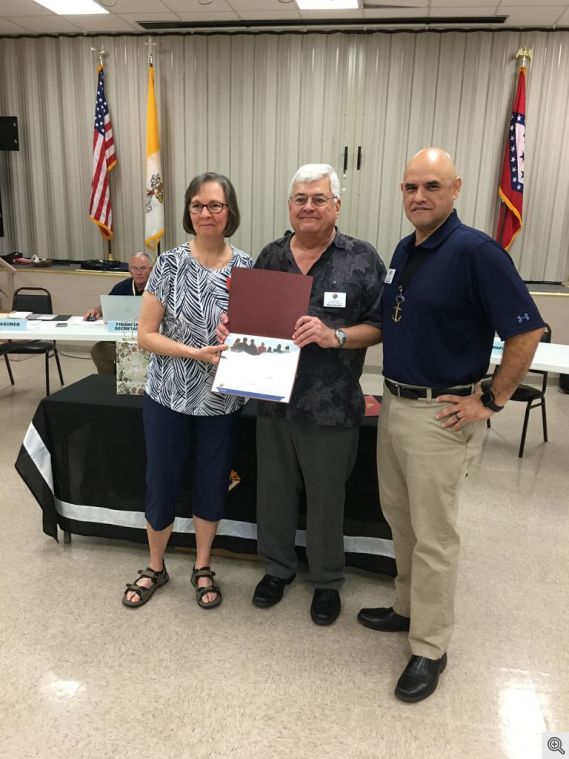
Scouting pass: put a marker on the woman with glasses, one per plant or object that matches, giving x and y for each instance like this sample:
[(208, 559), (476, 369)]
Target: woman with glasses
[(187, 428)]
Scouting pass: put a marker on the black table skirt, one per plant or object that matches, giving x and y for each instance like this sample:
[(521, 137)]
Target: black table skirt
[(83, 459)]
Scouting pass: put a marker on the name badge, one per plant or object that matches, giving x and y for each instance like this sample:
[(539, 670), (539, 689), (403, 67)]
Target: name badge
[(14, 324), (116, 326), (389, 276), (335, 300)]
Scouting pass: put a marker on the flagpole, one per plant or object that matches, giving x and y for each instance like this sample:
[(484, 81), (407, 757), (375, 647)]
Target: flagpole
[(96, 214), (526, 54), (154, 188)]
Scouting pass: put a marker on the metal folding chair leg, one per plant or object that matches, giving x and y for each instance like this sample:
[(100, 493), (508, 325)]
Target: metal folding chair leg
[(56, 354), (524, 430), (47, 372), (9, 368)]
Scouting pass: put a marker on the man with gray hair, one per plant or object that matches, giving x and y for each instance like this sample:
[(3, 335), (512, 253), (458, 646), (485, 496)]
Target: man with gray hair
[(104, 353), (309, 445)]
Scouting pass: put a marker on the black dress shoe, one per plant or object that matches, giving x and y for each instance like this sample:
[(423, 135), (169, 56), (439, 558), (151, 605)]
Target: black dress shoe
[(420, 678), (326, 606), (270, 591), (385, 620)]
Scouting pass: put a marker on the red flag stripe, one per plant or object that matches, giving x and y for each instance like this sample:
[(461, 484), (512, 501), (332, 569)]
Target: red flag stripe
[(104, 159)]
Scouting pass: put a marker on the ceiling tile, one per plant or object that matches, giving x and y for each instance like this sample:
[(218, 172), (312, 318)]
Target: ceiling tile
[(394, 6), (542, 16), (324, 16), (10, 8), (99, 23), (51, 24), (269, 15), (139, 6), (531, 3), (192, 6), (396, 12), (452, 10), (134, 17), (8, 27), (193, 16), (472, 8), (247, 6)]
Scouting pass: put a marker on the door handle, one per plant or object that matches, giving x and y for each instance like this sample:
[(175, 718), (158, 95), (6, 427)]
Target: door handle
[(345, 159), (359, 159)]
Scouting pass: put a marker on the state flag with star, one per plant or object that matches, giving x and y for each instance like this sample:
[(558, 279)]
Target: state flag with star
[(511, 190)]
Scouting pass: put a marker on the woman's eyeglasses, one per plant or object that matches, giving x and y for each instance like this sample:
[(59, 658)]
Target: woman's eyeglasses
[(213, 207)]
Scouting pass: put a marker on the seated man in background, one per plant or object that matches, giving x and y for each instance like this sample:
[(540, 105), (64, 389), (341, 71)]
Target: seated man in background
[(104, 353)]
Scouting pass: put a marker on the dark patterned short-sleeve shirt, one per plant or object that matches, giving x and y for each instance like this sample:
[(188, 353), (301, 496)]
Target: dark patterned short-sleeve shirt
[(327, 388), (193, 297)]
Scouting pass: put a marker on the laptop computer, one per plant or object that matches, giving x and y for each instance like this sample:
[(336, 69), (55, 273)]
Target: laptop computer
[(120, 308)]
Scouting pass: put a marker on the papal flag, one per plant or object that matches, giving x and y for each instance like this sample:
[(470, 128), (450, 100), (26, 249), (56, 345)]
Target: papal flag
[(511, 189), (154, 193)]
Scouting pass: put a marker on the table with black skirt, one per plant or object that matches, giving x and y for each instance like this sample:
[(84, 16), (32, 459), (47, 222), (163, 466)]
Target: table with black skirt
[(83, 459)]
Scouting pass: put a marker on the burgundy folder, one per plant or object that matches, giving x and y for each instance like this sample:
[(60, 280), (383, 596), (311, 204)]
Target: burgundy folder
[(267, 303)]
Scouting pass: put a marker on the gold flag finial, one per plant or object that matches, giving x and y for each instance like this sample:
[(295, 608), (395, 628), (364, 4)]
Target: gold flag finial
[(526, 54)]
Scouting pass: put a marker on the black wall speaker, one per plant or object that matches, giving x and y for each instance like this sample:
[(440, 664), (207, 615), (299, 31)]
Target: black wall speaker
[(9, 133)]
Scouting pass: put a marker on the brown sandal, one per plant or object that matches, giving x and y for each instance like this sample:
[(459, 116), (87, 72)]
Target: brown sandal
[(212, 588), (145, 594)]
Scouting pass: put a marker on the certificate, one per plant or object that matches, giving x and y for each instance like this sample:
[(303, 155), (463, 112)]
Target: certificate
[(261, 360), (257, 366)]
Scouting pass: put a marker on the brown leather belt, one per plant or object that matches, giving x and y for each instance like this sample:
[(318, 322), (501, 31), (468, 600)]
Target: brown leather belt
[(415, 393)]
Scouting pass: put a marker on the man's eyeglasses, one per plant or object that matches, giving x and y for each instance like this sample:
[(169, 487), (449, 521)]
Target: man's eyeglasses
[(316, 200), (139, 269), (213, 207)]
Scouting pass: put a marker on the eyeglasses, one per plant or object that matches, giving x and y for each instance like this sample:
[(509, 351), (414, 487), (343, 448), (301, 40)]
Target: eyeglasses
[(139, 269), (316, 200), (213, 207)]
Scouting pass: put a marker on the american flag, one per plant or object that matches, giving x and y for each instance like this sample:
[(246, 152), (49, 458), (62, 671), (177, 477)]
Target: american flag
[(511, 189), (104, 159)]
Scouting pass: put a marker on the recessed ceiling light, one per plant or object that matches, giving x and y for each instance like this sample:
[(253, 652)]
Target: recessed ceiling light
[(328, 5), (72, 7)]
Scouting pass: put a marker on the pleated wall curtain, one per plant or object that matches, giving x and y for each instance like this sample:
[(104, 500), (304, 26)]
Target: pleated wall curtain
[(256, 106)]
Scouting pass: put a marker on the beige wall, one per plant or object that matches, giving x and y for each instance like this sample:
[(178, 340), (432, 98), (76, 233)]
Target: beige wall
[(72, 292)]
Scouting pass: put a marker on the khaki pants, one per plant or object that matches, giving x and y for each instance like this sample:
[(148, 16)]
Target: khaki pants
[(104, 355), (421, 467)]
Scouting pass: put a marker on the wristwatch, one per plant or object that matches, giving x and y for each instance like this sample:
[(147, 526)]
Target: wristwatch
[(489, 401), (340, 337)]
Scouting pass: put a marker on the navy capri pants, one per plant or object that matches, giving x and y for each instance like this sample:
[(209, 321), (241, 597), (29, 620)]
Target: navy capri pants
[(178, 445)]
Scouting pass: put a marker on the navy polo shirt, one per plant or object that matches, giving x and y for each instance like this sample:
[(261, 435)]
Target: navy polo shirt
[(466, 290), (125, 288)]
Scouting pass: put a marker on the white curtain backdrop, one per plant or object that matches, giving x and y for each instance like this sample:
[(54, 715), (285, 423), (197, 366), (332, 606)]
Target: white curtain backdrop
[(256, 106)]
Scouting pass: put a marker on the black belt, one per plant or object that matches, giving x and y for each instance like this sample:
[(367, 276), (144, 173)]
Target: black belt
[(414, 393)]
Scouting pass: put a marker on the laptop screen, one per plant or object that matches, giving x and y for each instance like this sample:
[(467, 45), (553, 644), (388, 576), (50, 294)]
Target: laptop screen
[(120, 308)]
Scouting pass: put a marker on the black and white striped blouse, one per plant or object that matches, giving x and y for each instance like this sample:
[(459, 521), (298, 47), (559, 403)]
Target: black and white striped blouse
[(193, 297)]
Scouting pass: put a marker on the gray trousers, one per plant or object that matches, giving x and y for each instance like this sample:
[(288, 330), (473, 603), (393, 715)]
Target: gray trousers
[(292, 458)]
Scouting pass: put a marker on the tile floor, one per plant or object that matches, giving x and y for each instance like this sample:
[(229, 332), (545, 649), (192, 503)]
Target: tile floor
[(81, 676)]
